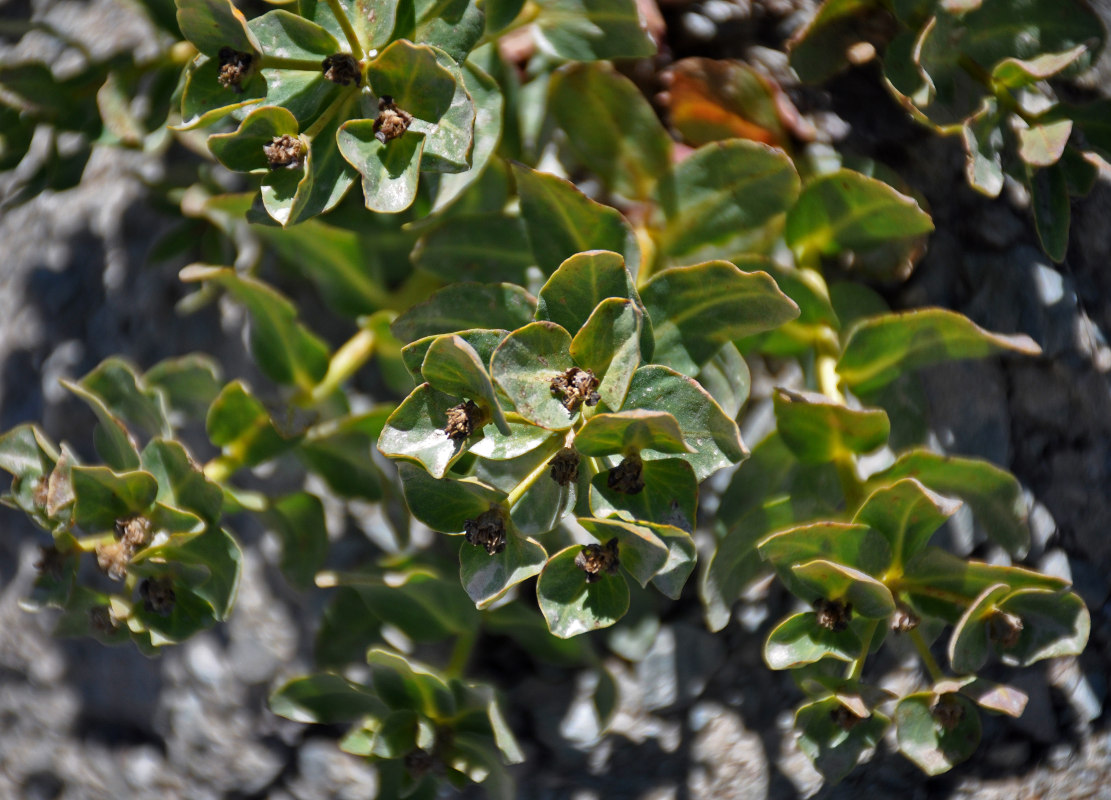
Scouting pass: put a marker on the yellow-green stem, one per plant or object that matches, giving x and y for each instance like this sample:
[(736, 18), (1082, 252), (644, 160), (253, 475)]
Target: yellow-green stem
[(857, 666), (461, 653), (87, 544), (526, 484), (348, 29), (354, 353), (927, 657), (278, 62), (326, 116)]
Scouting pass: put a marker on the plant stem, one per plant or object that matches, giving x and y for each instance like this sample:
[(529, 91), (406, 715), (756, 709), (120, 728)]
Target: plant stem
[(461, 653), (326, 116), (87, 544), (526, 484), (348, 29), (857, 665), (927, 657), (279, 62), (355, 352)]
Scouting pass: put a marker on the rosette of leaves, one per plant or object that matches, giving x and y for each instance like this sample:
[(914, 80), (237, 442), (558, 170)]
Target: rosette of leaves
[(983, 71), (531, 409), (416, 724)]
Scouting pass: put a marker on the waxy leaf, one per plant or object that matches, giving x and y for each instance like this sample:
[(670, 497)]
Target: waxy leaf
[(325, 698), (242, 150), (800, 640), (286, 351), (483, 341), (1043, 144), (714, 437), (307, 95), (571, 605), (204, 101), (338, 452), (284, 35), (640, 551), (445, 504), (834, 750), (208, 568), (608, 344), (845, 210), (906, 514), (127, 396), (630, 432), (214, 24), (454, 367), (454, 26), (241, 425), (868, 596), (468, 248), (415, 431), (111, 437), (681, 557), (449, 137), (983, 142), (525, 364), (1049, 199), (592, 30), (669, 497), (993, 494), (852, 545), (723, 194), (487, 577), (389, 170), (968, 646), (103, 496), (1015, 73), (298, 520), (818, 51), (696, 310), (372, 20), (181, 483), (819, 430), (188, 384), (932, 745), (727, 378), (879, 349), (1054, 624), (465, 306), (561, 221), (996, 697), (610, 127), (544, 502), (29, 457)]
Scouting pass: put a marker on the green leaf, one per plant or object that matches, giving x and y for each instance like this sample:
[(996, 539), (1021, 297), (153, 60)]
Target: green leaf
[(285, 350), (561, 221), (214, 24), (307, 95), (415, 431), (996, 697), (29, 456), (1054, 624), (696, 310), (239, 424), (819, 430), (389, 170), (834, 751), (486, 247), (681, 557), (714, 437), (103, 496), (325, 698), (339, 453), (524, 365), (640, 551), (1043, 144), (817, 53), (111, 437), (204, 101), (868, 596), (465, 306), (800, 640), (1093, 120), (610, 127), (670, 495), (488, 577), (450, 138), (845, 210), (723, 194), (906, 514), (545, 501), (482, 340), (571, 605), (983, 143), (993, 494), (630, 432), (1016, 73), (181, 483), (926, 741), (727, 378), (608, 344), (406, 684), (446, 504), (592, 30), (879, 349), (299, 520), (1049, 199), (968, 646), (423, 605), (454, 367), (413, 76), (856, 546), (372, 20), (453, 25), (287, 35), (188, 383), (127, 397), (242, 149)]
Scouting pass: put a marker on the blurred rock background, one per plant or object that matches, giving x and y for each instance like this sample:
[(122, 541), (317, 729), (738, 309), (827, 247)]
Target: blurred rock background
[(700, 716)]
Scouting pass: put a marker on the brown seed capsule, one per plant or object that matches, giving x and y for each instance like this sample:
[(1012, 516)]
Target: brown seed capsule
[(133, 532), (904, 619), (487, 531), (235, 67), (113, 558), (594, 559), (50, 563), (463, 420), (158, 595), (41, 493), (565, 466), (391, 121), (628, 476), (1004, 629), (575, 387), (844, 719), (342, 68), (947, 712), (284, 151), (833, 615)]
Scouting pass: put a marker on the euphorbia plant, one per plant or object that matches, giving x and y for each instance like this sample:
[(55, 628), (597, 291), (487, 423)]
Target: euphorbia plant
[(559, 410)]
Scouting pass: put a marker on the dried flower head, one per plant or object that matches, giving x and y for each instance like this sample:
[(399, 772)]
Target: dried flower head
[(594, 559), (565, 466), (133, 532), (575, 387), (235, 68), (487, 531), (628, 476), (904, 619), (158, 595), (113, 558), (1004, 629), (947, 712), (342, 68), (391, 121), (463, 420), (833, 615), (285, 151), (844, 719)]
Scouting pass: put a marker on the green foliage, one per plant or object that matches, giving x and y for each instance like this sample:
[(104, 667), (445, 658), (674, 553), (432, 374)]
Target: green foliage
[(558, 379)]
